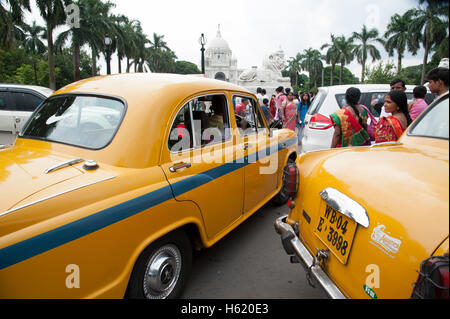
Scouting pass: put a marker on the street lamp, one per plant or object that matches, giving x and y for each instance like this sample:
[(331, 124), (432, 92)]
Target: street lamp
[(202, 42), (108, 43)]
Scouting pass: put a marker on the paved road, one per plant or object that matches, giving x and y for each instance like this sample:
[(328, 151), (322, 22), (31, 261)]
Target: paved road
[(249, 263)]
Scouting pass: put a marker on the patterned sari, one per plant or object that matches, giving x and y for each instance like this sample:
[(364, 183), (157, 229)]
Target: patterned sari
[(290, 116), (388, 129), (353, 134)]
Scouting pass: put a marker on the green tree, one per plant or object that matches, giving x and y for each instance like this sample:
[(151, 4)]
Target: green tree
[(159, 54), (33, 45), (331, 56), (347, 76), (293, 69), (64, 63), (185, 67), (366, 47), (10, 19), (428, 28), (381, 73), (312, 63), (94, 24), (345, 47), (399, 39), (52, 11)]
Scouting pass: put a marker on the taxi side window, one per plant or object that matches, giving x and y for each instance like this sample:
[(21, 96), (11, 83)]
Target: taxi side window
[(211, 119), (181, 137), (248, 116)]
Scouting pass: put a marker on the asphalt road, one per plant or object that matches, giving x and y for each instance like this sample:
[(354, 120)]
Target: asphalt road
[(249, 263)]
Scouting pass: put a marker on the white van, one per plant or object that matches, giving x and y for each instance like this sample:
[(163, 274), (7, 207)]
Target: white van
[(319, 130)]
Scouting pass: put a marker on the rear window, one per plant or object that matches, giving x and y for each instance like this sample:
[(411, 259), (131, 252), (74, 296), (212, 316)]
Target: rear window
[(79, 120), (371, 104), (434, 122), (317, 102)]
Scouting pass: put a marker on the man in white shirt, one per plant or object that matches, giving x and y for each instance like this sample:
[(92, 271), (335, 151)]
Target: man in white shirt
[(438, 81), (259, 96)]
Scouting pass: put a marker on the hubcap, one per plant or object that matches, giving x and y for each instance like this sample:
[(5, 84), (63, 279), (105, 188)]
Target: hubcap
[(162, 272)]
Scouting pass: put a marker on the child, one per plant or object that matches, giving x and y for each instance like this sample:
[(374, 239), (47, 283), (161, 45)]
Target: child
[(265, 109)]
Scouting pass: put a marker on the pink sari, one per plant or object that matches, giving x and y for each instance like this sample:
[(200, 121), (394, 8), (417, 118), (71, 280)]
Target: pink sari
[(290, 114)]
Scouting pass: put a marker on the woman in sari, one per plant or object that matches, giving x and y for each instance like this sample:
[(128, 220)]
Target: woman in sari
[(390, 128), (350, 122), (289, 112)]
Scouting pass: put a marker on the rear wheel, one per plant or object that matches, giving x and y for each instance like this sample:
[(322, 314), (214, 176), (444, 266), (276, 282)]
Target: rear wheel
[(162, 270), (281, 198)]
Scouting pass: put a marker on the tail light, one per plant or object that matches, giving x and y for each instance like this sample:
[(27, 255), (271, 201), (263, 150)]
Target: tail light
[(320, 122), (433, 280), (290, 182)]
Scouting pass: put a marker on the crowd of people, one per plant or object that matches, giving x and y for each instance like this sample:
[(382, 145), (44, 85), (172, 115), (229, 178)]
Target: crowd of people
[(351, 123), (286, 107)]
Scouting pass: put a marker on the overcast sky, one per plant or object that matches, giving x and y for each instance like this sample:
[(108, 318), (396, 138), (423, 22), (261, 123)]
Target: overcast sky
[(255, 28)]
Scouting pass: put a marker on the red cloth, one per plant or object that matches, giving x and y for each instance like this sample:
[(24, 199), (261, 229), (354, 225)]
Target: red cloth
[(273, 107), (240, 109)]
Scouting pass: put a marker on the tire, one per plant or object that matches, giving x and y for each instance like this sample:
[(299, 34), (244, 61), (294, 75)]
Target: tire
[(162, 270), (281, 198)]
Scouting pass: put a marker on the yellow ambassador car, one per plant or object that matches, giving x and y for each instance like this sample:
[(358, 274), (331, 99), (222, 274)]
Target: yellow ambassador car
[(373, 222), (114, 180)]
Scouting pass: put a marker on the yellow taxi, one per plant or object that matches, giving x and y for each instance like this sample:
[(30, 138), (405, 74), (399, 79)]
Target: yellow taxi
[(373, 222), (114, 181)]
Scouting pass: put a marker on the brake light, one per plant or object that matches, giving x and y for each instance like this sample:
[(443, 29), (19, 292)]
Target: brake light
[(320, 122), (433, 280), (291, 179)]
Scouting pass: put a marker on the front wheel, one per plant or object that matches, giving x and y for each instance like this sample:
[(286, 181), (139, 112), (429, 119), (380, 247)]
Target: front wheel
[(162, 269), (282, 197)]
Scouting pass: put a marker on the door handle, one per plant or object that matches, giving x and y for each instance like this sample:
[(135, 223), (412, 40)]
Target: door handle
[(173, 169)]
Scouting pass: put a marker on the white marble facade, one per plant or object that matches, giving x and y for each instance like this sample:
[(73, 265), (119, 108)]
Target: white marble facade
[(219, 60), (222, 65)]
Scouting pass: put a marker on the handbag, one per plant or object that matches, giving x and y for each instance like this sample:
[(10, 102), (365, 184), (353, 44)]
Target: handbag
[(373, 124)]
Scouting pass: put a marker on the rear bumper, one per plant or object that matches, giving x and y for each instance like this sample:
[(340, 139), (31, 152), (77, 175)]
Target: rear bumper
[(294, 246)]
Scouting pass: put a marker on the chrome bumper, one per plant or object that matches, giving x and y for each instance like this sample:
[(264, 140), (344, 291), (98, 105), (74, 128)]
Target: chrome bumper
[(294, 246)]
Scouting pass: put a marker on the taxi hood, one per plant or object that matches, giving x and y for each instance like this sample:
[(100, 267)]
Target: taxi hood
[(23, 173)]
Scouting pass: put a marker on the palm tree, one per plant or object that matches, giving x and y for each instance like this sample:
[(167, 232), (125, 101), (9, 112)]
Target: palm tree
[(366, 48), (398, 38), (9, 19), (428, 28), (120, 25), (94, 25), (345, 49), (156, 54), (96, 15), (33, 45), (52, 11), (294, 67), (331, 56)]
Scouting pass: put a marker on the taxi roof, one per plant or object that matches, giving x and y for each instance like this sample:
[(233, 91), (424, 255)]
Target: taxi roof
[(151, 101)]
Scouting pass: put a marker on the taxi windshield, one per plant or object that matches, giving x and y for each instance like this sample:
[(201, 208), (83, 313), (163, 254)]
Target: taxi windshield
[(79, 120)]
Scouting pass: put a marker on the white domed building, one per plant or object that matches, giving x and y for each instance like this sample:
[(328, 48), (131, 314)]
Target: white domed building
[(220, 63)]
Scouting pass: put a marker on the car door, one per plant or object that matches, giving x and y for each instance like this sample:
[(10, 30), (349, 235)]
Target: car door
[(6, 117), (261, 156), (199, 160), (25, 101)]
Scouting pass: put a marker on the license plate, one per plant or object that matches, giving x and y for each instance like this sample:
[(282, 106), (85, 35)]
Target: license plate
[(336, 231)]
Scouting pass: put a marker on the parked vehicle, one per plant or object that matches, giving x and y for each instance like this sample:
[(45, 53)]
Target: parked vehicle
[(116, 179), (318, 131), (373, 222), (17, 103)]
